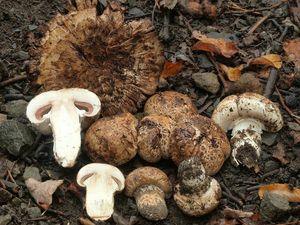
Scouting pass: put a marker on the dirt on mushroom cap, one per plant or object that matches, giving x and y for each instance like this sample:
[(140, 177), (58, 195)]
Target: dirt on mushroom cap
[(200, 136), (170, 103), (119, 61), (112, 139), (147, 176)]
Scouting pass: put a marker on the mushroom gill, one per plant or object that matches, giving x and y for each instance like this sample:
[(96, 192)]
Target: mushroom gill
[(118, 60)]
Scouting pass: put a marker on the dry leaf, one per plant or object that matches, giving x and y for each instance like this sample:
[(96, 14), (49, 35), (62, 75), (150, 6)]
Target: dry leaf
[(233, 73), (213, 45), (171, 69), (292, 194), (296, 136), (170, 4), (264, 73), (236, 214), (291, 48), (279, 153), (273, 60), (42, 191)]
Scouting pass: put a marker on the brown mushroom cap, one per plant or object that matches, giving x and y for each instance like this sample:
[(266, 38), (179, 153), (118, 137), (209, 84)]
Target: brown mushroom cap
[(112, 139), (200, 136), (119, 61), (154, 137), (170, 103), (144, 176)]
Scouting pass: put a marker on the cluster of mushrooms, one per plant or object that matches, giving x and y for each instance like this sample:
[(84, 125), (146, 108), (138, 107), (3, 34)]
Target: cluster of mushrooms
[(129, 57), (170, 128)]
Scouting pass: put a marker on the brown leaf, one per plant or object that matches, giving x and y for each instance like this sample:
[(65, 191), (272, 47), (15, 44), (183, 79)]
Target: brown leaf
[(291, 48), (171, 69), (170, 4), (292, 194), (296, 136), (279, 153), (236, 214), (42, 191), (233, 73), (273, 60), (213, 45)]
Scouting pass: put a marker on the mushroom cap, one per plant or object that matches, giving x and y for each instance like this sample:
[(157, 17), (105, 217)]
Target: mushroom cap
[(112, 139), (170, 103), (200, 136), (151, 202), (154, 137), (248, 105), (101, 169), (119, 61), (144, 176), (196, 204)]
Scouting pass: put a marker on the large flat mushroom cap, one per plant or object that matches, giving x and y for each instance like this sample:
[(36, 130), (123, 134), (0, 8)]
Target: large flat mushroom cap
[(170, 103), (112, 139), (147, 176), (119, 61), (200, 136)]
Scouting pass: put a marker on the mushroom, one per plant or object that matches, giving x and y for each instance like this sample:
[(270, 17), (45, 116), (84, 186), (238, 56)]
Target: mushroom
[(198, 8), (149, 186), (112, 139), (101, 182), (196, 194), (200, 136), (247, 115), (170, 103), (118, 60), (62, 111), (154, 137)]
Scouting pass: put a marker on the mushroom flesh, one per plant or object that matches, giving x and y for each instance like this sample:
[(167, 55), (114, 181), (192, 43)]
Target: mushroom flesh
[(62, 111), (149, 186), (247, 115), (101, 182), (196, 194)]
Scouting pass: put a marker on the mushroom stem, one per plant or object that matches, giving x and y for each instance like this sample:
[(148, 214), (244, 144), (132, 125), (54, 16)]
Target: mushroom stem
[(66, 128), (100, 196), (246, 142), (150, 201)]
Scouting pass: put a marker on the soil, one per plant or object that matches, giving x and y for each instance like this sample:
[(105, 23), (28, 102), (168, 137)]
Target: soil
[(21, 19)]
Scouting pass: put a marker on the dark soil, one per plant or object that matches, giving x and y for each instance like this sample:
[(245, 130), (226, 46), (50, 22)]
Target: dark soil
[(20, 19)]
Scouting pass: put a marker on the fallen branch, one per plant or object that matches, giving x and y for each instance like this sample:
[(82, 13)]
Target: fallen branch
[(12, 80), (259, 22)]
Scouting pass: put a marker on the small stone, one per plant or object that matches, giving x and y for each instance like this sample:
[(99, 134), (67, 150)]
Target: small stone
[(242, 85), (32, 27), (16, 108), (292, 101), (5, 219), (223, 35), (269, 139), (135, 11), (3, 117), (294, 126), (207, 81), (32, 172), (5, 195), (15, 137), (270, 166), (273, 206), (34, 212), (203, 61), (22, 55)]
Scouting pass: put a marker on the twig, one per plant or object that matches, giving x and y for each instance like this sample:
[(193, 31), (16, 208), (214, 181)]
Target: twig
[(185, 20), (205, 106), (269, 89), (11, 177), (12, 80), (230, 196), (287, 109), (224, 83), (259, 22), (39, 218)]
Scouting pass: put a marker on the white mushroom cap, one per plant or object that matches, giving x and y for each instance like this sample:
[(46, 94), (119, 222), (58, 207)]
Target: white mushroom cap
[(101, 182), (62, 111), (248, 105)]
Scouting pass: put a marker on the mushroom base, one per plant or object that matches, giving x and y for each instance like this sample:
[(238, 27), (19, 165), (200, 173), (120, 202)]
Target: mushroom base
[(151, 203)]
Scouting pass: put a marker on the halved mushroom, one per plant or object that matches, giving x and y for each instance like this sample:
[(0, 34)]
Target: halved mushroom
[(247, 115), (101, 182), (196, 194), (118, 60), (154, 137), (170, 103), (62, 111), (200, 136), (112, 139), (149, 186)]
